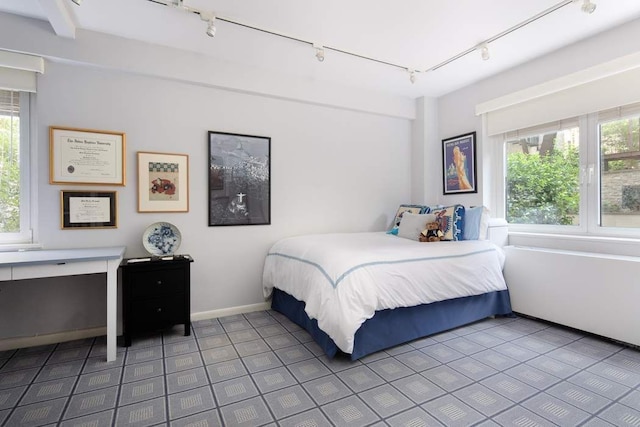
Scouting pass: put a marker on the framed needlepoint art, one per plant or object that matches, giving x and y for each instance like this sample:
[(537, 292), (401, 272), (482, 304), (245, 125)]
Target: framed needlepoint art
[(163, 182), (459, 164)]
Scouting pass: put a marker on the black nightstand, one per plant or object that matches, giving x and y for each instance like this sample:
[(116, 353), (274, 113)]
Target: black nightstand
[(155, 294)]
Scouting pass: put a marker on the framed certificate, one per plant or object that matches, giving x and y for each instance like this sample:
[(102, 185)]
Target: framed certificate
[(88, 209), (85, 156)]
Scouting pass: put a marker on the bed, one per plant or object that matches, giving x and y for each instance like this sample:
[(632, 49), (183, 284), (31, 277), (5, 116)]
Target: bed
[(358, 293)]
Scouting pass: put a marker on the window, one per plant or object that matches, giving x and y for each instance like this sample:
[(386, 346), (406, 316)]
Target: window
[(15, 224), (581, 175)]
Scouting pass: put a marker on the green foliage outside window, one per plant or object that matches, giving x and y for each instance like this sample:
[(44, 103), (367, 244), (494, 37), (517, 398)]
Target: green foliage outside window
[(543, 189), (9, 175)]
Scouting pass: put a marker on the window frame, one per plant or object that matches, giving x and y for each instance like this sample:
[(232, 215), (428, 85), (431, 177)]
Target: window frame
[(590, 182), (28, 177)]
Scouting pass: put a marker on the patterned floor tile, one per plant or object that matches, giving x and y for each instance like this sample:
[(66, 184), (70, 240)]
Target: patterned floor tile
[(314, 418), (243, 336), (412, 417), (214, 341), (30, 360), (615, 373), (249, 348), (98, 380), (147, 413), (442, 353), (181, 347), (261, 362), (226, 370), (9, 397), (37, 414), (579, 397), (417, 360), (141, 390), (386, 400), (17, 378), (308, 370), (98, 419), (447, 378), (183, 362), (186, 380), (144, 354), (60, 370), (288, 401), (494, 359), (190, 402), (295, 353), (471, 368), (390, 369), (273, 379), (326, 389), (219, 354), (519, 416), (555, 410), (509, 387), (483, 399), (350, 411), (338, 363), (209, 418), (360, 378), (141, 371), (533, 376), (452, 412), (234, 390), (604, 387), (418, 388), (250, 413), (39, 392)]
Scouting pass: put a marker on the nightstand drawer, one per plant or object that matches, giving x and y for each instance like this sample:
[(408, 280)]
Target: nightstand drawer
[(158, 313), (149, 284)]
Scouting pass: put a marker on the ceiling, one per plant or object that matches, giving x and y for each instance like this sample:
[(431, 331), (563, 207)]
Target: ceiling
[(384, 39)]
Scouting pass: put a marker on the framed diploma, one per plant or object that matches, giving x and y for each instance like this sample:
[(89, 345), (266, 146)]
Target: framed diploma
[(85, 156), (88, 209), (163, 182)]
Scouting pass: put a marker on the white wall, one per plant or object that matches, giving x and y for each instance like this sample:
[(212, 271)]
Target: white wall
[(333, 169), (456, 111)]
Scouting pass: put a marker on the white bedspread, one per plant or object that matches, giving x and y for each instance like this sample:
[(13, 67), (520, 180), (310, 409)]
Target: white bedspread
[(344, 278)]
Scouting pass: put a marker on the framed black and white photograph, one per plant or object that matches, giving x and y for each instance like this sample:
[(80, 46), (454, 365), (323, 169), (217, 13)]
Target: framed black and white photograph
[(239, 179), (459, 164), (88, 209)]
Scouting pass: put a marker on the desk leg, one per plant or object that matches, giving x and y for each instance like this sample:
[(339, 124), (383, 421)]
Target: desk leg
[(112, 307)]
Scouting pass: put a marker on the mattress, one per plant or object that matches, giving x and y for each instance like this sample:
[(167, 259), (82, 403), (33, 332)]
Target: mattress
[(344, 278)]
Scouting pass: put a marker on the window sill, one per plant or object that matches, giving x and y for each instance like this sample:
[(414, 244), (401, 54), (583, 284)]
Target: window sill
[(14, 247), (581, 243)]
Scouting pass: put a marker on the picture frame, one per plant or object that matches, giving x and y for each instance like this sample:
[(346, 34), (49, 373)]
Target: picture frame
[(459, 164), (88, 209), (163, 182), (86, 156), (239, 179)]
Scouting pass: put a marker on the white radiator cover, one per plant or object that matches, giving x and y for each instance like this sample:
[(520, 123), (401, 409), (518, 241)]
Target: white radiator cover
[(597, 293)]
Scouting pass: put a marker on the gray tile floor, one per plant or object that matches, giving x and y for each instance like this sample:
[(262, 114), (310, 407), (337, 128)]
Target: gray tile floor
[(260, 369)]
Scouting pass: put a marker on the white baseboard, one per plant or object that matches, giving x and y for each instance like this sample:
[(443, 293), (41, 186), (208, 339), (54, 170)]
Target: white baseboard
[(22, 342), (203, 315)]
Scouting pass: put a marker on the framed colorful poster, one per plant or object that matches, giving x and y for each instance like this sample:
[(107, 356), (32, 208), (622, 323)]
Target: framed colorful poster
[(239, 179), (163, 182), (459, 164)]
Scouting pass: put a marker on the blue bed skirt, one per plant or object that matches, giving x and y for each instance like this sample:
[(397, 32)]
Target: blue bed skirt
[(391, 327)]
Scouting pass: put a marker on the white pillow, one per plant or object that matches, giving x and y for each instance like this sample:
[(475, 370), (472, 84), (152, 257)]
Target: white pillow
[(412, 224)]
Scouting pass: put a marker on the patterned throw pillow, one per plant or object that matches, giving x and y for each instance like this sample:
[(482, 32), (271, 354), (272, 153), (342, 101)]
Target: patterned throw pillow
[(451, 220), (416, 209)]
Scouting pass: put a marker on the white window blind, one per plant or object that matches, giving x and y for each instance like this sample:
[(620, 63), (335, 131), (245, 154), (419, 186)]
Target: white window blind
[(600, 88), (18, 71)]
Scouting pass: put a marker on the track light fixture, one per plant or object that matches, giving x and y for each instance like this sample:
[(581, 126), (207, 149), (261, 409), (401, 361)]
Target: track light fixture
[(484, 52), (412, 76), (211, 23), (588, 6), (319, 52)]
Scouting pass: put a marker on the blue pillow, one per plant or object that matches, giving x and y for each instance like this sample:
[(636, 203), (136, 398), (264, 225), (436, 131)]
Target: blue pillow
[(476, 221), (415, 209)]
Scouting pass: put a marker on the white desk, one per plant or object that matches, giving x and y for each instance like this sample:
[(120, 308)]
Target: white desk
[(67, 262)]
